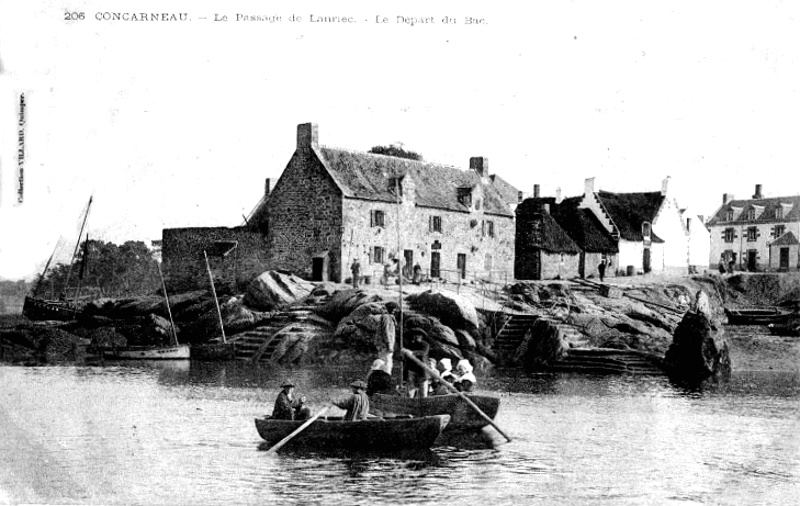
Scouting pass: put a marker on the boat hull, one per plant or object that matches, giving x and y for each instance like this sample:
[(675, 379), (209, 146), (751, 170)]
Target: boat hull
[(40, 309), (180, 352), (373, 434), (462, 415), (777, 329), (756, 316)]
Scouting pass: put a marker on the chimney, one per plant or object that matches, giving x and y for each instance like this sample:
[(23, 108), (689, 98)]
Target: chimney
[(757, 195), (267, 187), (536, 191), (307, 135), (480, 164), (546, 208), (588, 186), (665, 185), (727, 197), (558, 195)]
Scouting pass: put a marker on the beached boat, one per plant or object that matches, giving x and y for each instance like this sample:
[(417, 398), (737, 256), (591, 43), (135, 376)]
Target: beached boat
[(173, 352), (462, 416), (373, 434), (41, 309), (756, 316), (784, 329)]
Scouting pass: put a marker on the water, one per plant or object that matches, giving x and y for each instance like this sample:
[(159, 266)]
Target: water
[(184, 434)]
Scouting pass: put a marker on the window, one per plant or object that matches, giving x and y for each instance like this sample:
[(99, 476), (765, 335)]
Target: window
[(779, 212), (778, 231), (396, 185), (465, 196), (490, 228), (478, 204), (646, 229), (435, 224), (487, 263), (729, 215), (752, 234), (751, 214), (730, 234), (377, 255), (377, 219)]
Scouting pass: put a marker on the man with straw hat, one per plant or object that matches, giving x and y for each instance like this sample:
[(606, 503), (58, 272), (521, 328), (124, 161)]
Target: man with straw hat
[(357, 405), (287, 406)]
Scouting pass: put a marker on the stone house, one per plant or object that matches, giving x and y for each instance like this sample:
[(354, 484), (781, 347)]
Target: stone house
[(595, 243), (543, 250), (749, 231), (331, 206)]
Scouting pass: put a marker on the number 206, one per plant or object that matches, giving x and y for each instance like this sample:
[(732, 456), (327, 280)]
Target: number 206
[(74, 16)]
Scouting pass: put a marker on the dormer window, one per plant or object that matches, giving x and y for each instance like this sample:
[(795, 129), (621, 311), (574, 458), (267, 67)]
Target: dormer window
[(646, 230), (465, 196), (396, 185), (751, 214), (729, 215), (779, 212)]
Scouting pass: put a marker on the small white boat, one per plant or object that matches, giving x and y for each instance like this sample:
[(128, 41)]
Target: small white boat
[(179, 352)]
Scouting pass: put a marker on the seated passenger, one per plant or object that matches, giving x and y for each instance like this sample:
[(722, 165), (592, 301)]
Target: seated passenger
[(466, 380), (286, 404)]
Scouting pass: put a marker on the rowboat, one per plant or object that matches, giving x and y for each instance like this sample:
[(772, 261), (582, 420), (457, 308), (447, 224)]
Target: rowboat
[(784, 329), (462, 416), (178, 352), (756, 316), (373, 434)]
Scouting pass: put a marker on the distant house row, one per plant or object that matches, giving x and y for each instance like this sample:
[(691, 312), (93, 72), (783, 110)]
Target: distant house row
[(331, 206)]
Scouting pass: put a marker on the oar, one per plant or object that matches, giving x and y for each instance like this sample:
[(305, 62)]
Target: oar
[(298, 430), (466, 399)]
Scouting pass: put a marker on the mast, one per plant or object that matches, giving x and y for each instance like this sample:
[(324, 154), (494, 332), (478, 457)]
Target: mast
[(166, 298), (78, 244), (214, 293), (84, 261), (399, 271)]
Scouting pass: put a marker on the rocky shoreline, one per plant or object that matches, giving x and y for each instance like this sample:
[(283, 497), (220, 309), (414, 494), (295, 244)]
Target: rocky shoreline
[(319, 323)]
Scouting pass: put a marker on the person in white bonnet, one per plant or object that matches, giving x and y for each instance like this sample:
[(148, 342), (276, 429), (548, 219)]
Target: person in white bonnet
[(466, 380)]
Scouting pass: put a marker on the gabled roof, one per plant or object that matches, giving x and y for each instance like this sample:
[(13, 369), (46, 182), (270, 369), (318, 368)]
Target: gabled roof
[(583, 227), (366, 176), (787, 239), (766, 211), (550, 237), (629, 211), (508, 191)]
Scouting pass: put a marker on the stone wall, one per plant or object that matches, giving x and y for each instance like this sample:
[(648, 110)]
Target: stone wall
[(464, 233), (740, 244), (305, 217), (236, 255)]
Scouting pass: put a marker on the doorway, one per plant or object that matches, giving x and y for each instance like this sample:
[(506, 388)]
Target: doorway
[(319, 267), (751, 260), (784, 259), (408, 267), (435, 263), (646, 260), (461, 265)]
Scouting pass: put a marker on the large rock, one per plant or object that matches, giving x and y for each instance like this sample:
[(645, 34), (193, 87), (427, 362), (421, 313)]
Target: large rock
[(442, 339), (699, 349), (345, 302), (297, 341), (368, 328), (542, 345), (452, 309), (274, 289)]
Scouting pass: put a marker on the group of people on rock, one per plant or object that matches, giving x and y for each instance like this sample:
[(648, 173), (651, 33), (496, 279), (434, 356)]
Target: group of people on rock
[(395, 269), (291, 406)]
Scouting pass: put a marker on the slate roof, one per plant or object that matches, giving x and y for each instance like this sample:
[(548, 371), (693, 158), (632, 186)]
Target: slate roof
[(629, 211), (366, 176), (765, 211), (551, 238), (508, 191), (787, 239), (583, 227)]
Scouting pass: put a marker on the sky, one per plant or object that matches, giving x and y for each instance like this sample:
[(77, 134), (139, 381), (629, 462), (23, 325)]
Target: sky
[(176, 124)]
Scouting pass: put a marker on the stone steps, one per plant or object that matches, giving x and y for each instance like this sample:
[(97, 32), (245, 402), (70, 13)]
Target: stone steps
[(250, 342), (611, 361), (512, 333)]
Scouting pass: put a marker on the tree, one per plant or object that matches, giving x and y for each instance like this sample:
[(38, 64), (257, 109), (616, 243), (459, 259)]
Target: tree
[(396, 150), (129, 269)]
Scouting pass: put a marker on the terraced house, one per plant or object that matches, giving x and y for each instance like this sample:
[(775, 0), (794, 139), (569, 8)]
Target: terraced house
[(756, 234), (331, 206)]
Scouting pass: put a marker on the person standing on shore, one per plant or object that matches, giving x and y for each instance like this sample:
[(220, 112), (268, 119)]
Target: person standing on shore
[(355, 269), (601, 269)]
